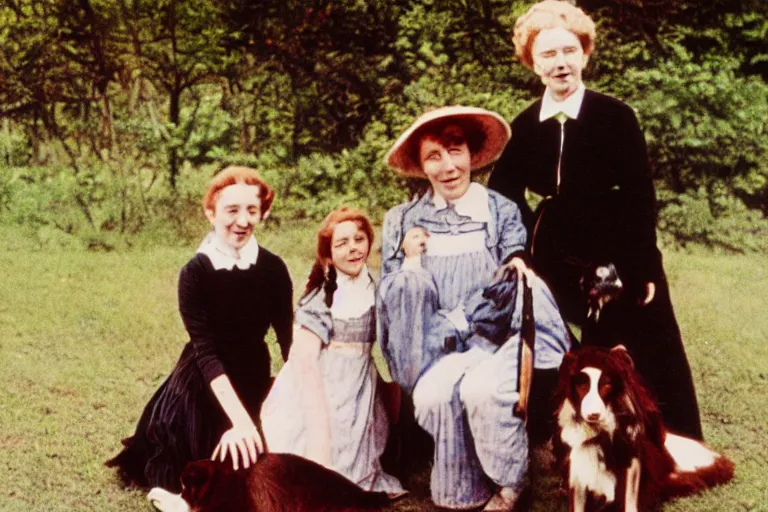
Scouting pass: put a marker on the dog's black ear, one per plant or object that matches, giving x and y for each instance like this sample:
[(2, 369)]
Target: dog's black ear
[(197, 472), (569, 363), (621, 354), (196, 479)]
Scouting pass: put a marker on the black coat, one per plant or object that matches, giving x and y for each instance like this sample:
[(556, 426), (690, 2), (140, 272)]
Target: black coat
[(602, 211)]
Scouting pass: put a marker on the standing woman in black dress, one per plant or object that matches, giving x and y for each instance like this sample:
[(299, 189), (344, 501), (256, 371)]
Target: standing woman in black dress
[(230, 293), (585, 154)]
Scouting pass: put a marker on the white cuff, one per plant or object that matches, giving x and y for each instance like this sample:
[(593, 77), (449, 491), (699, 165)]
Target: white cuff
[(411, 263), (458, 319)]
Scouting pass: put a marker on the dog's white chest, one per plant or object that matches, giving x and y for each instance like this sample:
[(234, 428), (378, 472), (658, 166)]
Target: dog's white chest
[(588, 472), (587, 469)]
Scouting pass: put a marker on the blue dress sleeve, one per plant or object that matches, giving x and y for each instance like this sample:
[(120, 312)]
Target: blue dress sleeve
[(313, 315), (511, 232), (392, 254)]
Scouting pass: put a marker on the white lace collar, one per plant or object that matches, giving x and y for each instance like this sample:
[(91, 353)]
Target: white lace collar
[(473, 204), (354, 296), (224, 256), (570, 106)]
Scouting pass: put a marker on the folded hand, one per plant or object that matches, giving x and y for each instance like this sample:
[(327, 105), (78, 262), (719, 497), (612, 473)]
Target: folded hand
[(650, 293), (415, 242)]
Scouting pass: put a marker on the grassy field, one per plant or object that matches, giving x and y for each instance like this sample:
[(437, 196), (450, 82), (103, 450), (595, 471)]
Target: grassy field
[(85, 338)]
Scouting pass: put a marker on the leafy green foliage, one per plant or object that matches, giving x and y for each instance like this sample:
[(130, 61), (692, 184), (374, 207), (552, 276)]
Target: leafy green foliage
[(706, 132), (124, 104)]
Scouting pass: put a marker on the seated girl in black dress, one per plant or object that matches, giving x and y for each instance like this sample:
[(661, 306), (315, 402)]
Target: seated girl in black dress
[(230, 293)]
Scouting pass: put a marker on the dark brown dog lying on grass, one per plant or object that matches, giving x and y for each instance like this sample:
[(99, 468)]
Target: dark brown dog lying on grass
[(278, 482)]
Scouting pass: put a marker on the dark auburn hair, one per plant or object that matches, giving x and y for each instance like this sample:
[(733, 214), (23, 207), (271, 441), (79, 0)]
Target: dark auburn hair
[(323, 273), (448, 131)]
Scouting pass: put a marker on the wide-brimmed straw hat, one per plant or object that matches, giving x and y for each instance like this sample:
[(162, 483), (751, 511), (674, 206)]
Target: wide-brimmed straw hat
[(495, 128)]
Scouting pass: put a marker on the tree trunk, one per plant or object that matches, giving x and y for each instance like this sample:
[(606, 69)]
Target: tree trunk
[(173, 153)]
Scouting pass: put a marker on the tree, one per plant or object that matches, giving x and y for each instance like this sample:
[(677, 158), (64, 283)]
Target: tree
[(337, 58), (175, 45)]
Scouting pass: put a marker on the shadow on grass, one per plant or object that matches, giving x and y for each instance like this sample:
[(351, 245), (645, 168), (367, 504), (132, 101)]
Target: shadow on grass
[(543, 492)]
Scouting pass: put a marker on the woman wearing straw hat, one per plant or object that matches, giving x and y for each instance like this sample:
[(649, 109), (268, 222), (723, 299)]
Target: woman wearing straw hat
[(585, 153), (440, 252)]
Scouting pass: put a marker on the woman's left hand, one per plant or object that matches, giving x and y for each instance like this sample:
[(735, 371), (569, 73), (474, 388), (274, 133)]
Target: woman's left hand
[(650, 293), (522, 269), (243, 440), (415, 242)]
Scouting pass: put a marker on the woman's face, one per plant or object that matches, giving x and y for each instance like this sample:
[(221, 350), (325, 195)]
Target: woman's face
[(558, 59), (447, 166), (349, 248), (238, 210)]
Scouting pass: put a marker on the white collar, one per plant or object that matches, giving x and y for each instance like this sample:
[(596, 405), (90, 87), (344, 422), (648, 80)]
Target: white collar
[(354, 296), (473, 204), (225, 256), (570, 106), (361, 280)]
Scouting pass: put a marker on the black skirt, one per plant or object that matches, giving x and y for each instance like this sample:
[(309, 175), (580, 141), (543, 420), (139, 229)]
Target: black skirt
[(569, 237), (182, 422)]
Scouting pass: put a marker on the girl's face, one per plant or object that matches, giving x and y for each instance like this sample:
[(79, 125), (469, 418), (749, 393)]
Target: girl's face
[(238, 211), (558, 59), (349, 248)]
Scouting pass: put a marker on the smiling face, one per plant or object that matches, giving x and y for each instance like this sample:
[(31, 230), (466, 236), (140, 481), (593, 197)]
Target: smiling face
[(447, 163), (349, 248), (237, 212), (558, 59)]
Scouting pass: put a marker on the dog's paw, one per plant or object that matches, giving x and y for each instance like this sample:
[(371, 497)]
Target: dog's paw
[(166, 501)]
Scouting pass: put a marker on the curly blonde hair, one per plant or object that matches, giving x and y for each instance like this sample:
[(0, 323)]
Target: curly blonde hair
[(552, 14)]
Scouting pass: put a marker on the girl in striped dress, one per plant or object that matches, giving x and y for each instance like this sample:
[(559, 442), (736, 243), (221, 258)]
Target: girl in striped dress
[(324, 403), (439, 252)]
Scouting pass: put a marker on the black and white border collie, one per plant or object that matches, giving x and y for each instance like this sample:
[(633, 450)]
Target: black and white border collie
[(611, 444)]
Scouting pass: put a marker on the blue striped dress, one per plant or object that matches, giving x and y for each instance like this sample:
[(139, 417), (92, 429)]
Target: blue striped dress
[(359, 424), (464, 390)]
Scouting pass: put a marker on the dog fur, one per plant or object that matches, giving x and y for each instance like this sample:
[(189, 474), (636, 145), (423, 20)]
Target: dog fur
[(611, 444), (276, 483)]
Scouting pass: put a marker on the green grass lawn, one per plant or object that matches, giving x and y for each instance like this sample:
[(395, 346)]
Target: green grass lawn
[(85, 339)]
